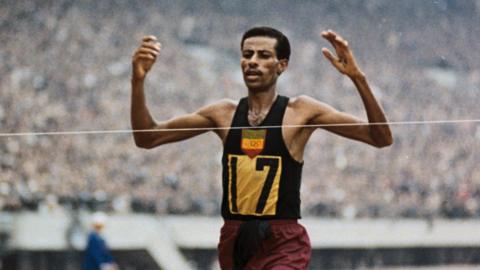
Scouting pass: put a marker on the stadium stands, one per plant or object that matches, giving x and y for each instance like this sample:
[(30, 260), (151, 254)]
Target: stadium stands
[(65, 66)]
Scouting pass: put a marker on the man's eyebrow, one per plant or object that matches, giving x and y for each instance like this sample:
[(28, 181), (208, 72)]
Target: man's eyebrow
[(261, 51)]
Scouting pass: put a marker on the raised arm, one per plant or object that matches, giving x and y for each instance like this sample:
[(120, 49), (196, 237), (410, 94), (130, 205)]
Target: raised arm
[(378, 135), (141, 119)]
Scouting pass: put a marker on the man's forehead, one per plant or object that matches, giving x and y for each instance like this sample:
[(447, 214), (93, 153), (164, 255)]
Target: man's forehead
[(259, 43)]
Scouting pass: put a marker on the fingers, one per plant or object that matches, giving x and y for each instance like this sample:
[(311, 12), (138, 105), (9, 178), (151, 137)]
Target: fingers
[(146, 53), (341, 48), (151, 42), (149, 38), (344, 60), (149, 48), (145, 56), (336, 62), (335, 39), (152, 46), (326, 52)]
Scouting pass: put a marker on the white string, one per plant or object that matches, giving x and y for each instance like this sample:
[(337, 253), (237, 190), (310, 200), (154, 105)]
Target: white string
[(120, 131)]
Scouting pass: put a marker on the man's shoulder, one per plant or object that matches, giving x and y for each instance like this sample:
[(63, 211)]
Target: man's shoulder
[(227, 103), (303, 102), (306, 107), (219, 111)]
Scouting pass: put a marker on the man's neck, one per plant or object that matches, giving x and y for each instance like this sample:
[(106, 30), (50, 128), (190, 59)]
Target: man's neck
[(259, 104), (260, 101)]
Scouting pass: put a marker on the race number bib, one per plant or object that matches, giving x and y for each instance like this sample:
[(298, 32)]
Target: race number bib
[(253, 184)]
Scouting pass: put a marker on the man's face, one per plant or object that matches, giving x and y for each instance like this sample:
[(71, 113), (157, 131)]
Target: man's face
[(260, 65), (98, 227)]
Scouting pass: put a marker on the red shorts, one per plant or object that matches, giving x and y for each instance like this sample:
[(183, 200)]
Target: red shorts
[(288, 247)]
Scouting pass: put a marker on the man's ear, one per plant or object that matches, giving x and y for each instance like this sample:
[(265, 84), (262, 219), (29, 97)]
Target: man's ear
[(282, 66)]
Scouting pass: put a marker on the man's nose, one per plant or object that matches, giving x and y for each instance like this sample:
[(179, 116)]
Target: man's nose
[(253, 61)]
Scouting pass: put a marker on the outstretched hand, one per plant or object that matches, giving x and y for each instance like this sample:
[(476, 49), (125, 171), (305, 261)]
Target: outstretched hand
[(145, 56), (344, 62)]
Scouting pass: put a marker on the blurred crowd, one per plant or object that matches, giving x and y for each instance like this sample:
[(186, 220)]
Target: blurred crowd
[(65, 66)]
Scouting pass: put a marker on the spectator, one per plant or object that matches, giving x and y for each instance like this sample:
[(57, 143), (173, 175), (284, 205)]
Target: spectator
[(97, 254)]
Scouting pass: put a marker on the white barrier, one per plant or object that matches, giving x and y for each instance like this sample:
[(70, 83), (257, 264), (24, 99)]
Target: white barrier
[(162, 236)]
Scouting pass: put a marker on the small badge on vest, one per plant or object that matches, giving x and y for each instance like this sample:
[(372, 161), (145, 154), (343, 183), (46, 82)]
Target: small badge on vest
[(253, 141)]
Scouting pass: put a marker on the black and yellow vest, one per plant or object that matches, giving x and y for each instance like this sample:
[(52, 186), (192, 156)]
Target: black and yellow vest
[(260, 178)]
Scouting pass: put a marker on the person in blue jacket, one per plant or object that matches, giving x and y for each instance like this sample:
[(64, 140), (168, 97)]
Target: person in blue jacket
[(97, 254)]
